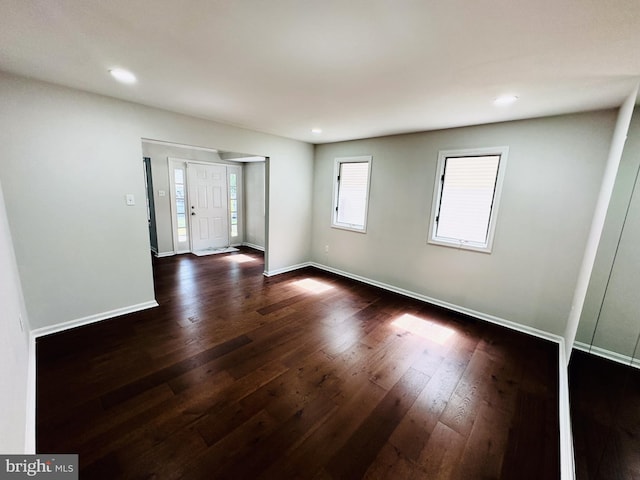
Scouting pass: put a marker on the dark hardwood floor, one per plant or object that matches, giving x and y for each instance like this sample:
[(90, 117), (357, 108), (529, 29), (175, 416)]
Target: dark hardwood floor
[(238, 376), (605, 415)]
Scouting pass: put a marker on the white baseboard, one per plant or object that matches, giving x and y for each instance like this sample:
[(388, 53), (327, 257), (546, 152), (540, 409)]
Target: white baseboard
[(291, 268), (253, 245), (567, 460), (30, 428), (98, 317), (450, 306), (608, 354), (165, 254)]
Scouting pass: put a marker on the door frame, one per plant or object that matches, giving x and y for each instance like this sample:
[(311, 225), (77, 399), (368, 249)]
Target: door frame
[(151, 207)]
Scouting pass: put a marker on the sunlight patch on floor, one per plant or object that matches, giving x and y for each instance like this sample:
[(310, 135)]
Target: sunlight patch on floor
[(313, 286), (424, 328), (240, 258)]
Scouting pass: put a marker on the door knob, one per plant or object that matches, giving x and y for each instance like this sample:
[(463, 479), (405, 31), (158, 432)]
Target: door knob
[(193, 213)]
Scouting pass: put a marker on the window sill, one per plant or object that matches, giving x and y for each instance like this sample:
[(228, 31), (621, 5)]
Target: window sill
[(461, 245), (349, 228)]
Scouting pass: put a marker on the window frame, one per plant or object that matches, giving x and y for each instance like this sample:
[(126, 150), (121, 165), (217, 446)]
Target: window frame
[(443, 155), (185, 245), (238, 171), (336, 192)]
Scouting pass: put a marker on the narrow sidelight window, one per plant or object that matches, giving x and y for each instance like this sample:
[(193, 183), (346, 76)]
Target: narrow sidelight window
[(181, 214), (466, 197), (233, 203), (351, 193)]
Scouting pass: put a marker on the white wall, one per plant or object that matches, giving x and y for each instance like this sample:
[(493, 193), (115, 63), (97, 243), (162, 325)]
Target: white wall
[(14, 350), (67, 159), (619, 323), (289, 185), (549, 194), (254, 208)]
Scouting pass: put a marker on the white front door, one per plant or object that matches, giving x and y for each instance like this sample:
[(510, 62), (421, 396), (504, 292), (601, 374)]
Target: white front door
[(208, 206)]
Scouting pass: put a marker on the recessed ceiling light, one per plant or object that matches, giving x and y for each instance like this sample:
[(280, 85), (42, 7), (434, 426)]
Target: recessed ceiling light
[(124, 76), (316, 131), (505, 100)]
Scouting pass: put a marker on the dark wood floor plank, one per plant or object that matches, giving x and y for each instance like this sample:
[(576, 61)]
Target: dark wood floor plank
[(605, 417), (398, 357), (224, 412), (159, 421), (72, 429), (167, 374), (239, 443), (152, 426), (175, 451), (413, 432), (310, 457), (289, 392), (441, 455), (529, 417), (353, 459), (298, 426), (281, 304), (236, 376), (484, 450), (206, 374), (390, 463)]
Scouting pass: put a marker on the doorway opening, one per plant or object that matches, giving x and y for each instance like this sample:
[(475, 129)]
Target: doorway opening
[(205, 200), (151, 211)]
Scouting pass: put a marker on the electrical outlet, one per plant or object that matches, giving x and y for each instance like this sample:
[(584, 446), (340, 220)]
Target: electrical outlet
[(326, 249)]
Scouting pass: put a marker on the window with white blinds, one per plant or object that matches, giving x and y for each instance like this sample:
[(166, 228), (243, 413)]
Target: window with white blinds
[(351, 193), (466, 197)]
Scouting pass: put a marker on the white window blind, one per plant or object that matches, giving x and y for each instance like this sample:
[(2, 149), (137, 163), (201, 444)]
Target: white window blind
[(467, 194), (352, 191), (467, 197)]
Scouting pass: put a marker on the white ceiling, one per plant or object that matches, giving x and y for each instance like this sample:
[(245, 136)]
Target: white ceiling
[(355, 68)]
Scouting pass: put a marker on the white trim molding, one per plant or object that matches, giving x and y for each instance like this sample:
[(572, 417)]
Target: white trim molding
[(278, 271), (567, 459), (608, 354), (165, 254), (253, 245), (30, 428), (450, 306), (179, 145), (98, 317)]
